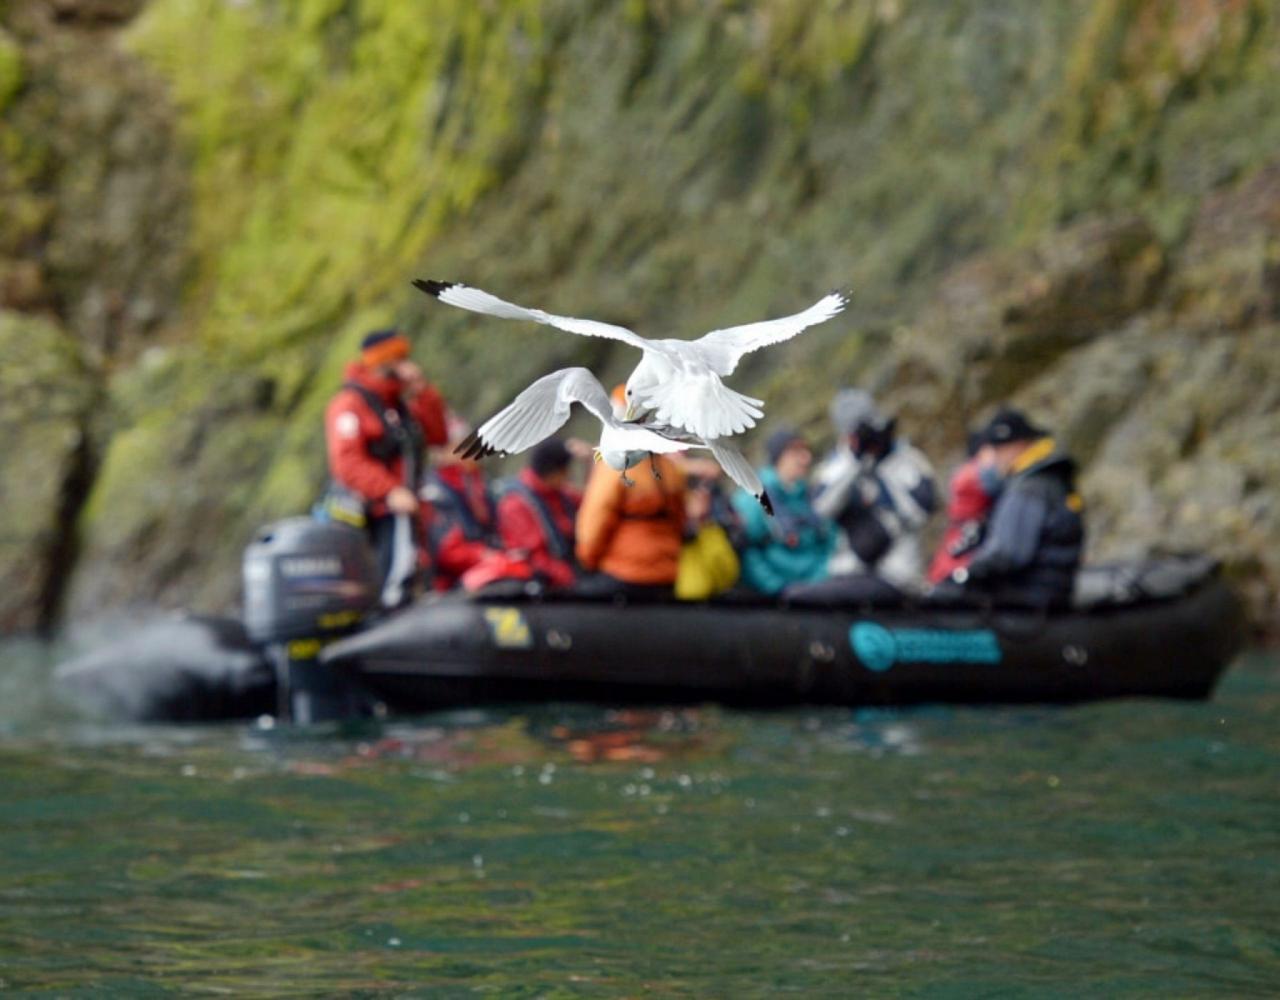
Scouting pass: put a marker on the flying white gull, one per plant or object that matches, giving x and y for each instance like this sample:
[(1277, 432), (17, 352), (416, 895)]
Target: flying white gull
[(544, 407), (677, 381)]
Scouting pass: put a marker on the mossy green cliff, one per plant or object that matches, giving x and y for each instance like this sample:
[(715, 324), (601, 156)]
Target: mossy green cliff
[(1073, 205)]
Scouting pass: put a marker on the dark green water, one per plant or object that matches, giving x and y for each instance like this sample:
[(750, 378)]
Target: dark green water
[(1119, 849)]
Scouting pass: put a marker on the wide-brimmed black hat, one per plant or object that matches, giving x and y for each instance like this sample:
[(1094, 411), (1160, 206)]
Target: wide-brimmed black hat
[(1009, 425)]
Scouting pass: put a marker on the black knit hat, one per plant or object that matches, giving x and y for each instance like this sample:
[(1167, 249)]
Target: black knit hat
[(1009, 425), (780, 440), (383, 347), (549, 456), (375, 337)]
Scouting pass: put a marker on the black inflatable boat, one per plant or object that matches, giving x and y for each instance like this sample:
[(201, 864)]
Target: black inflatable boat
[(1163, 627)]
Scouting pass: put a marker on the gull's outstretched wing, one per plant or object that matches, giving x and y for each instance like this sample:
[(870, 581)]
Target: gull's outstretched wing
[(741, 471), (466, 297), (538, 412), (721, 350)]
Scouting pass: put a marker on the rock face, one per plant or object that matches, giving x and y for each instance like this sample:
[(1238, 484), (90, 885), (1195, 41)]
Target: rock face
[(1165, 397), (1073, 206), (95, 196), (45, 398), (93, 218), (998, 321)]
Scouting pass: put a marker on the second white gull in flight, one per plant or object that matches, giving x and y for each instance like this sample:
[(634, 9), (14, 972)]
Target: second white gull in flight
[(544, 407)]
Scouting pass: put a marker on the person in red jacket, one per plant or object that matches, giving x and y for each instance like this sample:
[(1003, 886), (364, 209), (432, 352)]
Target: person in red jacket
[(377, 428), (536, 514), (974, 487)]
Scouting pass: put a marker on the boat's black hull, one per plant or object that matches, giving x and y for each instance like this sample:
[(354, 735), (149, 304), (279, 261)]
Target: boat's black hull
[(456, 651), (1172, 630)]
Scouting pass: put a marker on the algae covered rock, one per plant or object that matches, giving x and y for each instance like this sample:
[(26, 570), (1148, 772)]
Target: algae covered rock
[(11, 68), (1067, 205), (46, 398), (96, 12), (93, 233), (94, 203), (166, 520)]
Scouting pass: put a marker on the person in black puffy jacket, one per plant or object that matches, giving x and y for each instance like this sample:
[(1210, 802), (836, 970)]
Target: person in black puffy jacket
[(1035, 536)]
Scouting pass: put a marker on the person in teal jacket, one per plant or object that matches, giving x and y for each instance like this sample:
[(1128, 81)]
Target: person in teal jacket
[(795, 545)]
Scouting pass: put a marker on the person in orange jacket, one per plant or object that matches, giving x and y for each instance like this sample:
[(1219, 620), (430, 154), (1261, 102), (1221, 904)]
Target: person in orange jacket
[(377, 429), (630, 536)]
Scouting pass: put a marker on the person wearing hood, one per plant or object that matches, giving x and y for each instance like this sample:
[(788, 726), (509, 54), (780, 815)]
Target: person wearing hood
[(377, 429), (795, 545), (1034, 538), (879, 490)]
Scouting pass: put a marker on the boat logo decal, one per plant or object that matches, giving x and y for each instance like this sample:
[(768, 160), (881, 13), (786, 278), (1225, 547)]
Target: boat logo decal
[(879, 648), (508, 628), (304, 649)]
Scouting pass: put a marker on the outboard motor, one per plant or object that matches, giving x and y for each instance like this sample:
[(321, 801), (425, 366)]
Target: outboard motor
[(306, 583)]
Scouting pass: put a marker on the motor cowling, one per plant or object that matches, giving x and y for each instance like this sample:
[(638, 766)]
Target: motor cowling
[(307, 579)]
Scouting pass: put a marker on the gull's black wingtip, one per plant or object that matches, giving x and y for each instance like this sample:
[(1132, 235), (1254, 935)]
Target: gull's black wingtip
[(473, 446), (432, 287), (766, 503)]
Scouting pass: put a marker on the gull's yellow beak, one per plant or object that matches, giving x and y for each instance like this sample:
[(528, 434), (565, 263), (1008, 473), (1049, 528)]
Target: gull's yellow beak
[(631, 412)]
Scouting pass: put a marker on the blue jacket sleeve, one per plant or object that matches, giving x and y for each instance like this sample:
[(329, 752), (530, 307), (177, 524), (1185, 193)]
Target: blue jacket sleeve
[(1013, 535)]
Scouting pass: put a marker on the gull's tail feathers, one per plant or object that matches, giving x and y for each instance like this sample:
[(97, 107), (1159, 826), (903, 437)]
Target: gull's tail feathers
[(703, 405)]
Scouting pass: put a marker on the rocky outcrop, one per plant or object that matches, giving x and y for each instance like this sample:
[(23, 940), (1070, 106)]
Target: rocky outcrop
[(1229, 267), (93, 210), (96, 189), (999, 321), (1160, 370), (46, 399)]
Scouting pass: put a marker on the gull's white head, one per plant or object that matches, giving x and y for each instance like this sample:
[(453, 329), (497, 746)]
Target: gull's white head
[(645, 377)]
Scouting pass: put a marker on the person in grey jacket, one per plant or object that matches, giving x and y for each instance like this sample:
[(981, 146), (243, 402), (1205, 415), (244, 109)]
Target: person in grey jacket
[(878, 489), (1033, 541)]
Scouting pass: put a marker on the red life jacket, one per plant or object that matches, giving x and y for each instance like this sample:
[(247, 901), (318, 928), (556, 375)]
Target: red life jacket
[(375, 438)]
